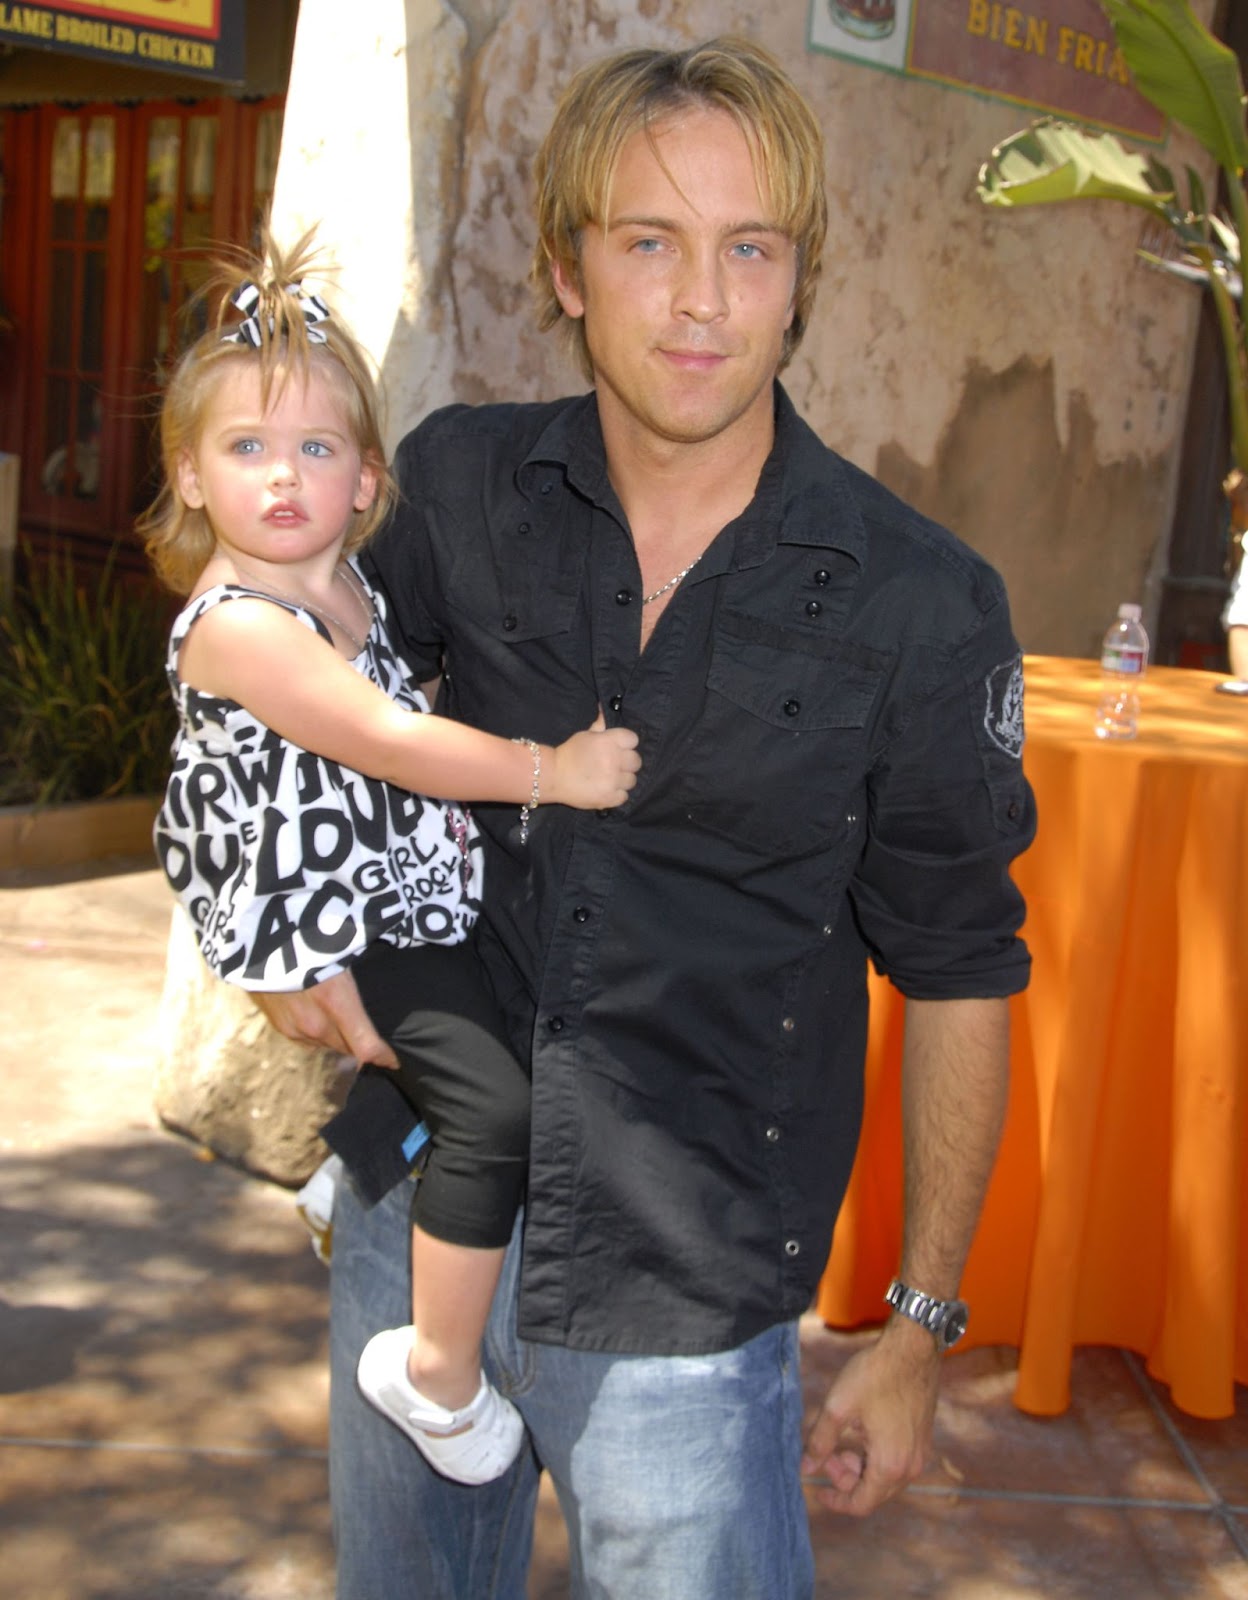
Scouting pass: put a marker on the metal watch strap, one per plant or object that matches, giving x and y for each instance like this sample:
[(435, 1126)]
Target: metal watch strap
[(945, 1320)]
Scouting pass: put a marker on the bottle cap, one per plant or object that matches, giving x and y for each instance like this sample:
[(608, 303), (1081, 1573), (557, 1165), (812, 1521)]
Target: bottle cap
[(1130, 612)]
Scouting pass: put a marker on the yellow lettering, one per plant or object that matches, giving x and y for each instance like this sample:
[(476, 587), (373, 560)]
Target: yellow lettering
[(1118, 68), (977, 17), (1013, 28), (1037, 36), (1083, 53), (1065, 40), (29, 20), (179, 52), (995, 31), (95, 35)]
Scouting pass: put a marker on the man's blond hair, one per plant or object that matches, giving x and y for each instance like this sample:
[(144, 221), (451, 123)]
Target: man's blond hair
[(609, 101)]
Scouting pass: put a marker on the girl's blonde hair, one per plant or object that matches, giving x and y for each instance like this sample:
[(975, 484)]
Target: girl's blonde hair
[(274, 338)]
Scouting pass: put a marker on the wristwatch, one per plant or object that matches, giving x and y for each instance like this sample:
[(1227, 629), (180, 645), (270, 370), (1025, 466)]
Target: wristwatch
[(945, 1320)]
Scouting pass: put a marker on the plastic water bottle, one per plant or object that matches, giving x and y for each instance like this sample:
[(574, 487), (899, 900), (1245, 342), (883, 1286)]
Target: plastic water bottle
[(1124, 656)]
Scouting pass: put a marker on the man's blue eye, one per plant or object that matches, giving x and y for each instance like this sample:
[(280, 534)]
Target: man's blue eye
[(748, 252)]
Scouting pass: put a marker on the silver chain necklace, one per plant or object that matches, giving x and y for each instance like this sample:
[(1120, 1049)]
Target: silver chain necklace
[(327, 617), (671, 582)]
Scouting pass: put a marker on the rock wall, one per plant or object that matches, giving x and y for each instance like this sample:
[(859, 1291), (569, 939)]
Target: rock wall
[(1018, 376), (227, 1079)]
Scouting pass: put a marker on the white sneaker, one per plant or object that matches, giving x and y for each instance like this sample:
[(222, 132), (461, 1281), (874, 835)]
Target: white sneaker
[(315, 1204), (475, 1444)]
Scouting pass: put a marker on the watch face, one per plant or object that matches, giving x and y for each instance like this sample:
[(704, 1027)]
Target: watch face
[(955, 1324)]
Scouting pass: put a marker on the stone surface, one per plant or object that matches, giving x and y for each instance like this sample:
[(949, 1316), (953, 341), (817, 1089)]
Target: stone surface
[(229, 1080), (1018, 375), (163, 1346)]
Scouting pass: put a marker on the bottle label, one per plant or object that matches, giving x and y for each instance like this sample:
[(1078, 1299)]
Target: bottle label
[(1124, 658)]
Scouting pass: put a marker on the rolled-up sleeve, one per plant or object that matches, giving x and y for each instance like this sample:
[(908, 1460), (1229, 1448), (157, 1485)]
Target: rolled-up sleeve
[(948, 810)]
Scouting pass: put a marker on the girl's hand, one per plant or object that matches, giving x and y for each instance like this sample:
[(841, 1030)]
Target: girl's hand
[(593, 769)]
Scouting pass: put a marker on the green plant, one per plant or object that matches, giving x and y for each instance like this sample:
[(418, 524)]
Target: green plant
[(1194, 80), (83, 697)]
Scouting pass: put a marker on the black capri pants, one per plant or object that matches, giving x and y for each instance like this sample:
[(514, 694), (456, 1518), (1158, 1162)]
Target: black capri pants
[(458, 1074)]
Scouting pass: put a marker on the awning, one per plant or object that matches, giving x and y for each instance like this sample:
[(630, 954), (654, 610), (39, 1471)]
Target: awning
[(199, 38)]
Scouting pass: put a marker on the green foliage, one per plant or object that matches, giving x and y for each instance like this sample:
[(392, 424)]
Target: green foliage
[(1194, 80), (1190, 76), (84, 702), (1052, 161)]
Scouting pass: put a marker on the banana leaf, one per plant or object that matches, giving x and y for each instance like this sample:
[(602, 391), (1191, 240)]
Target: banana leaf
[(1185, 72), (1053, 161)]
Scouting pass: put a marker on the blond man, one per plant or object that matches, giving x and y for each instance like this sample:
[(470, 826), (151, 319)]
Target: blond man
[(825, 689)]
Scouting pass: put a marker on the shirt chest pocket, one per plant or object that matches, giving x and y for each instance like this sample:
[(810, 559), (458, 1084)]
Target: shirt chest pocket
[(511, 601), (780, 746)]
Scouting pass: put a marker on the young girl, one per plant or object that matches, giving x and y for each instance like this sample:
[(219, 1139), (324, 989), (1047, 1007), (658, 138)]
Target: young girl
[(296, 829)]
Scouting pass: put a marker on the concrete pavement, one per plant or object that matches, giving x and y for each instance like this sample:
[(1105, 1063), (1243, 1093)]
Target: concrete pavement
[(162, 1357)]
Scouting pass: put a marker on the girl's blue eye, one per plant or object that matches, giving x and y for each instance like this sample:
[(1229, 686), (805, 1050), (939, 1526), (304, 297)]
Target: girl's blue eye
[(314, 447), (246, 447)]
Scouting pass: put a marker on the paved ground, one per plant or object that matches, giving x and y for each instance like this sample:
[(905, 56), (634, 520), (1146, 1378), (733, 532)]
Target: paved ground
[(162, 1342)]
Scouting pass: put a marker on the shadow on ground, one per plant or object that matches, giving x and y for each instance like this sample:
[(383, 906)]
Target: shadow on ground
[(162, 1380)]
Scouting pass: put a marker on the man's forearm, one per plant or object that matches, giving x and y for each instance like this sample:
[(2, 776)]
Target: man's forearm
[(955, 1083)]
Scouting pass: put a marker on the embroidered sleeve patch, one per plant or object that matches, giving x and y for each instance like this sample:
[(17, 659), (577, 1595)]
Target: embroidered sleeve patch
[(1003, 706)]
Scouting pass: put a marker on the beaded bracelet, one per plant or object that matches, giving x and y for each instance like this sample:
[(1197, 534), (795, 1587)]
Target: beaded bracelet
[(535, 799)]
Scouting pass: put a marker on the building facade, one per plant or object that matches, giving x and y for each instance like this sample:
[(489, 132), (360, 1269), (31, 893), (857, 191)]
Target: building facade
[(118, 182)]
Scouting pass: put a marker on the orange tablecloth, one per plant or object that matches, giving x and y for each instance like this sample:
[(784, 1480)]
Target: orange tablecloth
[(1118, 1213)]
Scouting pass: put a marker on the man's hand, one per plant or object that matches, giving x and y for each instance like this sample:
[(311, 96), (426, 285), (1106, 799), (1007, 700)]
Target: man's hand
[(874, 1433), (331, 1015)]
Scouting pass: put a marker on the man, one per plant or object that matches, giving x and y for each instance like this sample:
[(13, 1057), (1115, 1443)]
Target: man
[(826, 690)]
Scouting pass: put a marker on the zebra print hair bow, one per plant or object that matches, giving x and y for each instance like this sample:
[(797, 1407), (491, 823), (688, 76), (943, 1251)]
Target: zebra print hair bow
[(247, 300)]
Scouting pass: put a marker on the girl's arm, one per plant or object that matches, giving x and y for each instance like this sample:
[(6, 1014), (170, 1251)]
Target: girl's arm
[(296, 683)]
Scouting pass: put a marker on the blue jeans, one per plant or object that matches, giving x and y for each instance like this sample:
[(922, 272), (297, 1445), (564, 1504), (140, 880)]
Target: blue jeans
[(678, 1475)]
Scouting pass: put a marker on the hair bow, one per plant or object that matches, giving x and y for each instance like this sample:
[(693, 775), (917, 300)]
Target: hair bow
[(247, 299)]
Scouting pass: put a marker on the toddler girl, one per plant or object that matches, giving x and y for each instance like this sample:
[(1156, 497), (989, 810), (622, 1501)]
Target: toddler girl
[(296, 828)]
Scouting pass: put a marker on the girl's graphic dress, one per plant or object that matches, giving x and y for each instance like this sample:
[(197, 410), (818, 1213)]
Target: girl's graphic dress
[(288, 865)]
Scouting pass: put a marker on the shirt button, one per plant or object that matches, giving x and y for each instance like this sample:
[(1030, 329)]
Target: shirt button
[(823, 576), (827, 930), (1012, 810), (792, 1248), (509, 623), (555, 1024), (788, 1024), (813, 608), (523, 528), (851, 817), (616, 701), (547, 487), (773, 1136), (581, 914), (623, 597), (792, 707)]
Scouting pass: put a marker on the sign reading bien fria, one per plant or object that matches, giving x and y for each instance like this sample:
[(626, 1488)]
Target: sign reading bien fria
[(1057, 56), (201, 37)]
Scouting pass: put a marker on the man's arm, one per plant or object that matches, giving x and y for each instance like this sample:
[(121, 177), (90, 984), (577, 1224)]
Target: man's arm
[(331, 1015), (874, 1432)]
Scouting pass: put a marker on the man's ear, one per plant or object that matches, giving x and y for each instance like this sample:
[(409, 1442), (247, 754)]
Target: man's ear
[(188, 482), (568, 290)]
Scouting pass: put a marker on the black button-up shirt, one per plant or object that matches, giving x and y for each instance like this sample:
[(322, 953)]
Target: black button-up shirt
[(830, 718)]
